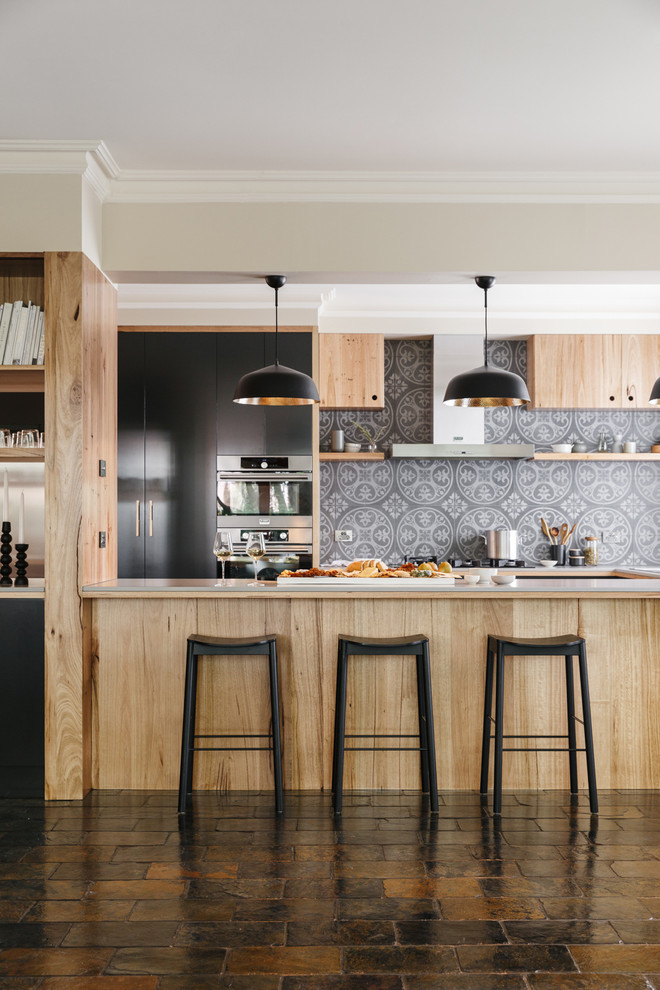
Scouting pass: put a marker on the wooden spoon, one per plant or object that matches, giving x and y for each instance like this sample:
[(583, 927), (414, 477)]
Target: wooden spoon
[(555, 533), (564, 533), (545, 530)]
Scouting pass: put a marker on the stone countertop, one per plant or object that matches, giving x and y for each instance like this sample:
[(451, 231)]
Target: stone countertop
[(605, 584)]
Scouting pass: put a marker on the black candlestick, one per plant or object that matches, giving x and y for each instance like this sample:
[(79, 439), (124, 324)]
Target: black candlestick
[(5, 554), (20, 581)]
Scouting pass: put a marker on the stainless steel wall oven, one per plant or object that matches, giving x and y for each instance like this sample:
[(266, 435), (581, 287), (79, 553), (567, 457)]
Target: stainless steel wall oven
[(267, 494)]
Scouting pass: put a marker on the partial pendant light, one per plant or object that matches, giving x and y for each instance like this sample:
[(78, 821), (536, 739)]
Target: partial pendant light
[(486, 386), (655, 393), (276, 385)]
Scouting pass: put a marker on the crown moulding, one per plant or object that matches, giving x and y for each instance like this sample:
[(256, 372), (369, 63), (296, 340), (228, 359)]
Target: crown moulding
[(93, 160)]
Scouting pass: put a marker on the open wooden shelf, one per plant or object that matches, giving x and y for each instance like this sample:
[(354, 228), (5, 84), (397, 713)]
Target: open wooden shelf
[(595, 456), (21, 378), (331, 455), (21, 454)]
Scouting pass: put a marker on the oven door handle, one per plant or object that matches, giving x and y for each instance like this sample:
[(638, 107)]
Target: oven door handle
[(226, 476)]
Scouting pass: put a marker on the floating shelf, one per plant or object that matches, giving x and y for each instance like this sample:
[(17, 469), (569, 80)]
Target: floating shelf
[(595, 456), (21, 378), (331, 455), (21, 454)]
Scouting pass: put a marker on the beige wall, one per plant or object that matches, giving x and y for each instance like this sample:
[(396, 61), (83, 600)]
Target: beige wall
[(40, 213), (359, 237)]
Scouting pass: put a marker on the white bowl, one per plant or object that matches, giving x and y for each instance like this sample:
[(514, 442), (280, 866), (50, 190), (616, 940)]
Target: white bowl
[(562, 448), (503, 578), (352, 448), (548, 563), (471, 578), (484, 572)]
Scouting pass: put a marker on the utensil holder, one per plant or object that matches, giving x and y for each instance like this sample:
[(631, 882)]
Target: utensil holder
[(558, 553)]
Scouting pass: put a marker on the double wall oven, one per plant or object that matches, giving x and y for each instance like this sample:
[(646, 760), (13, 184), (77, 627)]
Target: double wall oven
[(271, 495)]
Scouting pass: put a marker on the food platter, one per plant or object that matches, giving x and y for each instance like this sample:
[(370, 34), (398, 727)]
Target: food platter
[(366, 583)]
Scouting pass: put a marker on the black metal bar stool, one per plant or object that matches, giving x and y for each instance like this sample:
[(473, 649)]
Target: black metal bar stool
[(566, 646), (204, 646), (403, 646)]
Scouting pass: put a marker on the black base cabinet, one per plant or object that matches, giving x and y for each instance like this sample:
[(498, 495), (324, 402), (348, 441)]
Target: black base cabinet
[(22, 698), (175, 414)]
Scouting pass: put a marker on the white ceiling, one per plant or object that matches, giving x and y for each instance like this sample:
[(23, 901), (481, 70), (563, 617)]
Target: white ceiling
[(353, 87), (426, 85)]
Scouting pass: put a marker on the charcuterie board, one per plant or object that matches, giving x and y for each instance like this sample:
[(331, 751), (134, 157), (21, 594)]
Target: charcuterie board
[(370, 583)]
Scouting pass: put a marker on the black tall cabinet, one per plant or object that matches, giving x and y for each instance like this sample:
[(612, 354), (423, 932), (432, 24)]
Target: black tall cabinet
[(175, 414), (245, 429), (166, 454)]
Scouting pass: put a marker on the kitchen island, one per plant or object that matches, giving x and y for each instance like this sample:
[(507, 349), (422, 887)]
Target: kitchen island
[(139, 630)]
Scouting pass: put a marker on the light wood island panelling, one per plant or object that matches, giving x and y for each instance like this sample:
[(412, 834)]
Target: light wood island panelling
[(140, 643)]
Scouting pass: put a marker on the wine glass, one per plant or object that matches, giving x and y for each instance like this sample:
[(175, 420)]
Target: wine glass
[(223, 548), (255, 548)]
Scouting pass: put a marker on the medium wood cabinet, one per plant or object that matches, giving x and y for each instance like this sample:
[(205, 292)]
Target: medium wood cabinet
[(352, 371), (592, 371)]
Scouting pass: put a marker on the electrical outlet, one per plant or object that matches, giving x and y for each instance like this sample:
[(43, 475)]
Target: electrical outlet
[(101, 541), (343, 536)]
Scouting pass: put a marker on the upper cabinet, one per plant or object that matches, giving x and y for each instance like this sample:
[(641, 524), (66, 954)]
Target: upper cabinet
[(592, 371), (352, 371)]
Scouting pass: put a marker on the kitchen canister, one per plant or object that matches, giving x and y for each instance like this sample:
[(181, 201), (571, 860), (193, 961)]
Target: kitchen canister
[(337, 441), (591, 551), (575, 558)]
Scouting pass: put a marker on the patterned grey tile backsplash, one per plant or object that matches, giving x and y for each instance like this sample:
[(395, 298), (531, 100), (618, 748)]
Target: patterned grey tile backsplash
[(417, 507)]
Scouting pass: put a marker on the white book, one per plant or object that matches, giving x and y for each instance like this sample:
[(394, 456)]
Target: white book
[(4, 327), (41, 353), (19, 339), (26, 354), (38, 336), (16, 311)]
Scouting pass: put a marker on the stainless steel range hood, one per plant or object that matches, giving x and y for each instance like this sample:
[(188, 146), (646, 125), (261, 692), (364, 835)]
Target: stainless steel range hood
[(458, 431)]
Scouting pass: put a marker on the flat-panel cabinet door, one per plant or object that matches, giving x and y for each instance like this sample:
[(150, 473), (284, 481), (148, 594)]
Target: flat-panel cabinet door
[(130, 455), (352, 370), (289, 428), (180, 462), (241, 428), (574, 371), (640, 361)]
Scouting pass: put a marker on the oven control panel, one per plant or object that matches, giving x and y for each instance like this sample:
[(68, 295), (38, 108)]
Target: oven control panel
[(270, 535)]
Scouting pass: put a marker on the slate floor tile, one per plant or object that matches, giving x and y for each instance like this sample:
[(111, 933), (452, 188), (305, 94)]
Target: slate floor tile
[(400, 959), (296, 960), (119, 933), (515, 958), (555, 932), (617, 958), (54, 962), (449, 932), (340, 933), (167, 961)]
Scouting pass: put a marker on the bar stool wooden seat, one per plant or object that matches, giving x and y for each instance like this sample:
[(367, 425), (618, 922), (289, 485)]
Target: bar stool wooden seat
[(403, 646), (207, 646), (567, 646)]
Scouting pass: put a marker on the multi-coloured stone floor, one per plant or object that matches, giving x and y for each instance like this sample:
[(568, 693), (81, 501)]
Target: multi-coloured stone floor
[(116, 893)]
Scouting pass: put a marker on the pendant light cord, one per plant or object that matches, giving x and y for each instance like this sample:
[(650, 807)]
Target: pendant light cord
[(485, 328), (277, 360)]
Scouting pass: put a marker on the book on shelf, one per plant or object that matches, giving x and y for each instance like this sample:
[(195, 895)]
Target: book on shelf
[(21, 333)]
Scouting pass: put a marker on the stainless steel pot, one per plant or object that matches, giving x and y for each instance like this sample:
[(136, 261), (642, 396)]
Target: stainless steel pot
[(502, 544)]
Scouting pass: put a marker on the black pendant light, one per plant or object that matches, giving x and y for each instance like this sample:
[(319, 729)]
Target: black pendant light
[(486, 386), (276, 385), (655, 393)]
